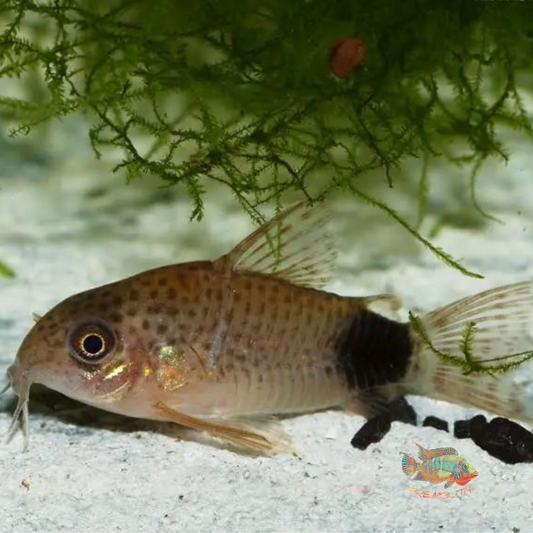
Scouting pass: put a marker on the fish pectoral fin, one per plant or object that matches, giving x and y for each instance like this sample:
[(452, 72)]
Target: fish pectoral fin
[(258, 436)]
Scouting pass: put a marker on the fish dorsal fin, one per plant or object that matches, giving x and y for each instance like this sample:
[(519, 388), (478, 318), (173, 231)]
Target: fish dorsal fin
[(294, 246), (425, 455)]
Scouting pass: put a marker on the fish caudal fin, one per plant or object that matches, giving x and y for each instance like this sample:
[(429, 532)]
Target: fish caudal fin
[(409, 464), (464, 352)]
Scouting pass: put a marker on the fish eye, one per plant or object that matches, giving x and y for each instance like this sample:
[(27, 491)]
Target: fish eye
[(91, 342)]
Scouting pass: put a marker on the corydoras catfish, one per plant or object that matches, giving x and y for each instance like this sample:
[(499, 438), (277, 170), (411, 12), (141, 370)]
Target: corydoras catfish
[(224, 346)]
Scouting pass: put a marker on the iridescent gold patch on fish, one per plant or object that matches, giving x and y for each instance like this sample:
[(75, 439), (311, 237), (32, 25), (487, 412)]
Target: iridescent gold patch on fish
[(170, 373)]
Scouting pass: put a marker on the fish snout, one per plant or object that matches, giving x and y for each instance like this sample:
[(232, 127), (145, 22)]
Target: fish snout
[(463, 480)]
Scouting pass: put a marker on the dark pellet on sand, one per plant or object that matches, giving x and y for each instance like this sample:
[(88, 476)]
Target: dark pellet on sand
[(506, 440), (372, 431), (435, 422), (376, 428)]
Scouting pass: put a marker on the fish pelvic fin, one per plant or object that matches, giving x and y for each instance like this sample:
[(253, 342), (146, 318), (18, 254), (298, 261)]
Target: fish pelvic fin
[(409, 464), (477, 352), (449, 483)]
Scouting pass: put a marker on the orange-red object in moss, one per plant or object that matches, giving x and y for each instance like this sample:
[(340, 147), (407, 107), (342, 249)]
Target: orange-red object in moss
[(345, 55)]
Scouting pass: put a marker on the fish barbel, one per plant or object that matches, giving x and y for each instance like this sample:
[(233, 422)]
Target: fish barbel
[(223, 346)]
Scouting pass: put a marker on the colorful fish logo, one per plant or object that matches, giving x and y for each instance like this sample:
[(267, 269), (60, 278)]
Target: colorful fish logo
[(438, 465)]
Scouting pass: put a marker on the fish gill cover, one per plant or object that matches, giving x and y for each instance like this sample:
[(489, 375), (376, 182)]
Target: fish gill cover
[(271, 97)]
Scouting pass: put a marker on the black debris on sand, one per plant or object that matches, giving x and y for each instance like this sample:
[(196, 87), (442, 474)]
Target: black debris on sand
[(506, 440), (376, 428), (435, 422)]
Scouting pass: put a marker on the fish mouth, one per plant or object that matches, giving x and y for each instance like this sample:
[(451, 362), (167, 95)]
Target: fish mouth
[(466, 479)]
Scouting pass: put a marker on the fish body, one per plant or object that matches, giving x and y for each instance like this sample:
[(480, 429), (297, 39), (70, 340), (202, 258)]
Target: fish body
[(221, 346), (438, 466), (275, 353)]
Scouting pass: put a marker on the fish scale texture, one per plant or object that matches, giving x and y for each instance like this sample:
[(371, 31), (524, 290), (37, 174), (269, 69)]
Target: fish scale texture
[(90, 471)]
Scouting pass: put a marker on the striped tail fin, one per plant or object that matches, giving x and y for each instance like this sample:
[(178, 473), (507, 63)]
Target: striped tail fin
[(462, 349), (409, 464)]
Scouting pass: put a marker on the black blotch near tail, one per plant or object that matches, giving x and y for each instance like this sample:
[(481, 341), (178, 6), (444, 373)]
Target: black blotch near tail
[(374, 351)]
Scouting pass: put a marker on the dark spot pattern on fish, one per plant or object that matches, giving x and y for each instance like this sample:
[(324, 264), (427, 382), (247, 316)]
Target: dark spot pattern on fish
[(373, 350), (172, 293), (103, 307), (116, 318)]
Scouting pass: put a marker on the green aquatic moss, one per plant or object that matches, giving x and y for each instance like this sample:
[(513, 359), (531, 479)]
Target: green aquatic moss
[(467, 361), (240, 92), (6, 271)]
